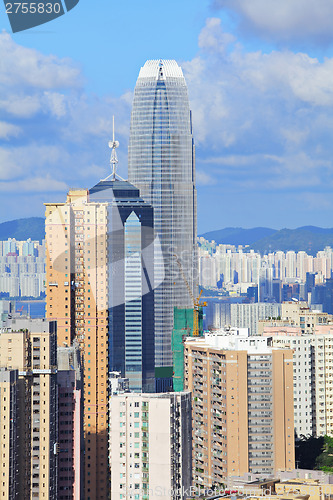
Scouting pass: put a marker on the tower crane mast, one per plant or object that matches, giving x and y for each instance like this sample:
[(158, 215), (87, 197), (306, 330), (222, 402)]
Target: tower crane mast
[(197, 304)]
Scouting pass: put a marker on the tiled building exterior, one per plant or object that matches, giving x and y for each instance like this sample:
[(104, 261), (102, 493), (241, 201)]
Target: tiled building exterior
[(150, 445), (243, 415)]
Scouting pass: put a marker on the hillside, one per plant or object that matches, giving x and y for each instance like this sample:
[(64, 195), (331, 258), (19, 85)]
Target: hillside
[(238, 235), (310, 239), (22, 229)]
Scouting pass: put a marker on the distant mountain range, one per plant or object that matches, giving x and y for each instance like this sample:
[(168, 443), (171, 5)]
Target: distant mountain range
[(310, 239), (23, 229)]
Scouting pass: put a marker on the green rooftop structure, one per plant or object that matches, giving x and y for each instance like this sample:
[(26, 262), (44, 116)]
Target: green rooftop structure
[(182, 328)]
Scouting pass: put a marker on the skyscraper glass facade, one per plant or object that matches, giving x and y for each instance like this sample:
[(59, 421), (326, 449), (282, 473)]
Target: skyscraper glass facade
[(161, 165), (133, 302), (130, 254)]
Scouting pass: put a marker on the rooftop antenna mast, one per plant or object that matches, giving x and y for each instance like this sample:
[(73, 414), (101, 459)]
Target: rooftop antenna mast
[(113, 145)]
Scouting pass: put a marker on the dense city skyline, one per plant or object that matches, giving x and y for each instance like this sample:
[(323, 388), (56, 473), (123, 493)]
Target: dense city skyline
[(163, 364), (259, 91)]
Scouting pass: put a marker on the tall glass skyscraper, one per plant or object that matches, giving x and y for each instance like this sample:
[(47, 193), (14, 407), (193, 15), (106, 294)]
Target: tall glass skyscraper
[(161, 165)]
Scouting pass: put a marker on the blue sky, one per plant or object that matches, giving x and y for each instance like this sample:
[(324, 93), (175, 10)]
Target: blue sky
[(260, 80)]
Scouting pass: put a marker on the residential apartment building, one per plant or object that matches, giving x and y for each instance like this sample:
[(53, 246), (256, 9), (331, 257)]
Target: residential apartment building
[(29, 346), (9, 434), (313, 370), (150, 445), (70, 423), (22, 268), (297, 313), (243, 415), (247, 266), (303, 375), (100, 281), (221, 314)]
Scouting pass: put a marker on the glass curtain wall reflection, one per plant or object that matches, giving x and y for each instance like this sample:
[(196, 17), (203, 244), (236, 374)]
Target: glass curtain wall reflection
[(161, 165)]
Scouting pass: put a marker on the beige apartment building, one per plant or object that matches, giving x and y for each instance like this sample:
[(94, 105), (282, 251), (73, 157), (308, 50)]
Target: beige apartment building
[(243, 414), (315, 489), (28, 348), (297, 314), (8, 428), (76, 277), (150, 445)]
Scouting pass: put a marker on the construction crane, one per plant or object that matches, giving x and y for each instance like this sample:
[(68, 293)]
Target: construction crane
[(196, 301)]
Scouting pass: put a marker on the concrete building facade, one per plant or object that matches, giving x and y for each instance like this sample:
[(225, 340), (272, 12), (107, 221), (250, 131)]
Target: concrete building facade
[(70, 420), (29, 346), (9, 434), (221, 314), (313, 369), (150, 445), (243, 415)]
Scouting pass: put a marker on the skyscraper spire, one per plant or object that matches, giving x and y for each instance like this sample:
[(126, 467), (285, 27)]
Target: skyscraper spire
[(113, 145)]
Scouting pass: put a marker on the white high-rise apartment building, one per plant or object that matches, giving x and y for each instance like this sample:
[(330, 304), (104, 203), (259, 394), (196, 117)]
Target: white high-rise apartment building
[(302, 360), (222, 314), (150, 445), (161, 165), (288, 267), (313, 375)]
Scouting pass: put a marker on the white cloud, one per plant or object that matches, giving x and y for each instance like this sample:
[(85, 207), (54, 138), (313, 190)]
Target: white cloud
[(298, 75), (212, 38), (9, 169), (34, 185), (56, 103), (262, 122), (314, 201), (21, 67), (203, 179), (23, 106), (284, 20), (8, 130)]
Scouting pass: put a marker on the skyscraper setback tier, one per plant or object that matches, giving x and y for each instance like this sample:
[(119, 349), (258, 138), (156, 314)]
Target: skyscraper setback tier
[(161, 165)]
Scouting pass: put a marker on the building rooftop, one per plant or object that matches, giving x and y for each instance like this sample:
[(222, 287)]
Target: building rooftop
[(160, 69), (234, 342), (109, 190)]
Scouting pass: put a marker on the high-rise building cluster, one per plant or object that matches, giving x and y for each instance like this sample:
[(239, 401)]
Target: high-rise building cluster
[(40, 413), (236, 269), (22, 268), (119, 393)]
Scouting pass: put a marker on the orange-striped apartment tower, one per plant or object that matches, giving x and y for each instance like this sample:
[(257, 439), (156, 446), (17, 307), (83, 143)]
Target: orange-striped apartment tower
[(100, 280), (76, 279)]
